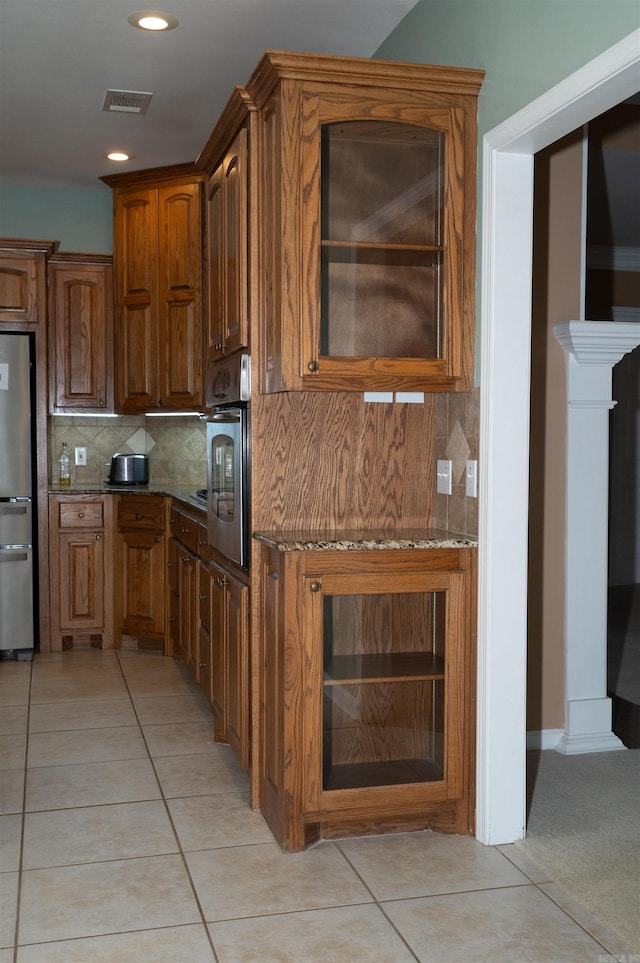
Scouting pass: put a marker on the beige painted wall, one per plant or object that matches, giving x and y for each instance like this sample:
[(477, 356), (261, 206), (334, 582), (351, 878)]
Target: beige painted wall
[(556, 298)]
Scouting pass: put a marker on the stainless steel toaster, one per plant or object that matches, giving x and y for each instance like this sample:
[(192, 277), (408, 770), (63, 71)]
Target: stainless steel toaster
[(129, 470)]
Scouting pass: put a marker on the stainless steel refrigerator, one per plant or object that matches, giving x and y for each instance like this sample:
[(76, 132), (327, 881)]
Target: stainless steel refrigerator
[(18, 595)]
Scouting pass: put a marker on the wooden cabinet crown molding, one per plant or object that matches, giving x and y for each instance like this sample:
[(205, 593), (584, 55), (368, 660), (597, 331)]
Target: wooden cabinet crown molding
[(9, 244), (231, 118), (73, 257), (276, 65), (153, 176)]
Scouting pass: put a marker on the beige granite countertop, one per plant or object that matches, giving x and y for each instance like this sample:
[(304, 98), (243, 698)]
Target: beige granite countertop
[(348, 541)]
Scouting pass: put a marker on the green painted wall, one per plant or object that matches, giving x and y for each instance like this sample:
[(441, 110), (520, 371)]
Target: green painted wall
[(79, 220), (525, 46)]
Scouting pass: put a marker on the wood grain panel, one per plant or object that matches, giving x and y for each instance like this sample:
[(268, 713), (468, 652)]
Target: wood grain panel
[(328, 460)]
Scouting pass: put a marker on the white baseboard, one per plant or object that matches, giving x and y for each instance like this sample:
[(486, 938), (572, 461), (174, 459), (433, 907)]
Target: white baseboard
[(544, 739)]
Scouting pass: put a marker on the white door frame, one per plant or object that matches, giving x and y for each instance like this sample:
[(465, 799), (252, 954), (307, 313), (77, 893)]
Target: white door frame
[(505, 318)]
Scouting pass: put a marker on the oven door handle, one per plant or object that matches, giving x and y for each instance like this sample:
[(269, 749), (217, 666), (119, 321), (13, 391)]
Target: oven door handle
[(221, 417)]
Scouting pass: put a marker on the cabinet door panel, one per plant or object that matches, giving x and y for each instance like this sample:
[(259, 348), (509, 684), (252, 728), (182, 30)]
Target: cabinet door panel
[(219, 656), (227, 231), (81, 350), (236, 213), (238, 669), (19, 288), (82, 573), (179, 354), (136, 374), (135, 245), (179, 284), (142, 578), (215, 265)]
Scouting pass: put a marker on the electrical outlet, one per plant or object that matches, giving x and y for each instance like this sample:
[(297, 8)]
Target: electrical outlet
[(443, 479), (472, 479), (81, 456)]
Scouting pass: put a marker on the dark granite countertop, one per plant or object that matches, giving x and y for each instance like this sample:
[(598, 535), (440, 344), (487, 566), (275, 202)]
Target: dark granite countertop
[(185, 493), (348, 541)]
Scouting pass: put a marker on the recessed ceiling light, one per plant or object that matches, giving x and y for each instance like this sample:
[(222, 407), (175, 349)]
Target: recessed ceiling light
[(152, 20), (118, 155)]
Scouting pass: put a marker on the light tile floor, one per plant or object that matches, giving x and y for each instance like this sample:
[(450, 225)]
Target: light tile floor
[(126, 837)]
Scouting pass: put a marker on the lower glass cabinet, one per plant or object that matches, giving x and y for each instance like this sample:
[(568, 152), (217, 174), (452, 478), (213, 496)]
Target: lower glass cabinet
[(368, 691)]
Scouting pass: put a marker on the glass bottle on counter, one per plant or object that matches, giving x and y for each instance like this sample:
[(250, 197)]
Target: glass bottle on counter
[(64, 465)]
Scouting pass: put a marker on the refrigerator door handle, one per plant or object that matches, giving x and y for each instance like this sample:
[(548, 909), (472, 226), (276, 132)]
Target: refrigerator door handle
[(13, 556)]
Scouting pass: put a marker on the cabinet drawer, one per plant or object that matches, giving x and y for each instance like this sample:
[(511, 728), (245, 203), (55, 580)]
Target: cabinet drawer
[(184, 529), (141, 513), (80, 515)]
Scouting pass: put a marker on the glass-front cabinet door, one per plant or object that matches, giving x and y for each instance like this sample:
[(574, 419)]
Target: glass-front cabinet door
[(384, 224), (387, 657)]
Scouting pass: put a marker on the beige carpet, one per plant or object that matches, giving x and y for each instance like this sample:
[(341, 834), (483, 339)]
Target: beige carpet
[(584, 831)]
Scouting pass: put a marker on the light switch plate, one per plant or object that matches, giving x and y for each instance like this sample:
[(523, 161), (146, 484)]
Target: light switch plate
[(472, 479), (81, 456), (443, 482)]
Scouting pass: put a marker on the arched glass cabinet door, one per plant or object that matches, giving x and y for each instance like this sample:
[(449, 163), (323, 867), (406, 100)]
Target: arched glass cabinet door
[(382, 240), (387, 248)]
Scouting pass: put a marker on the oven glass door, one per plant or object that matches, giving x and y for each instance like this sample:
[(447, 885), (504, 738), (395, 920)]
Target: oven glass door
[(226, 464)]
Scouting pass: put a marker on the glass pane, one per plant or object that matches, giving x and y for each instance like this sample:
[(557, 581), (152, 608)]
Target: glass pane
[(222, 476), (382, 203), (384, 689)]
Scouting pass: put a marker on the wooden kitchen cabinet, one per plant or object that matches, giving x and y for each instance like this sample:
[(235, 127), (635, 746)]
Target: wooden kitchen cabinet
[(205, 636), (210, 627), (225, 159), (23, 281), (81, 558), (158, 229), (366, 213), (80, 333), (230, 662), (367, 698), (184, 583), (141, 566)]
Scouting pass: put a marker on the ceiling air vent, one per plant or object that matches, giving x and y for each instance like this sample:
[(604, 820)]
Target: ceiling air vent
[(127, 101)]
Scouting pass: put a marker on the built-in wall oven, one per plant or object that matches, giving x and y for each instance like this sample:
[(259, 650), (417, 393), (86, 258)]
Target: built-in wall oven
[(228, 390)]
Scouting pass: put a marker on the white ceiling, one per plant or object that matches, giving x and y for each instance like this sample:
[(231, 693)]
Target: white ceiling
[(58, 58)]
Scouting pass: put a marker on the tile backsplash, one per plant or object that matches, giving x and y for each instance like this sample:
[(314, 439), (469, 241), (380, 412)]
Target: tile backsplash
[(457, 438), (175, 446)]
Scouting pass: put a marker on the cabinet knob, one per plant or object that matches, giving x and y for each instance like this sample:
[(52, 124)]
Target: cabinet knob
[(185, 558), (138, 517), (313, 366), (80, 514), (315, 586), (98, 537), (172, 618), (202, 665), (202, 597), (101, 403)]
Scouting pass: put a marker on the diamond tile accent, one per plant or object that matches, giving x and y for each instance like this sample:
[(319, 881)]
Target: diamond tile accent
[(141, 442), (457, 451)]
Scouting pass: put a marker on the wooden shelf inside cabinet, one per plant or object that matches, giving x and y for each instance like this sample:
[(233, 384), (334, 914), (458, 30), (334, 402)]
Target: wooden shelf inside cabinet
[(393, 773), (392, 667), (368, 252)]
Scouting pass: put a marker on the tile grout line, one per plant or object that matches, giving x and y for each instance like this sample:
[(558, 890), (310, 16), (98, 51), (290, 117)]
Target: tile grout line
[(377, 902), (169, 816), (23, 818), (563, 909)]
